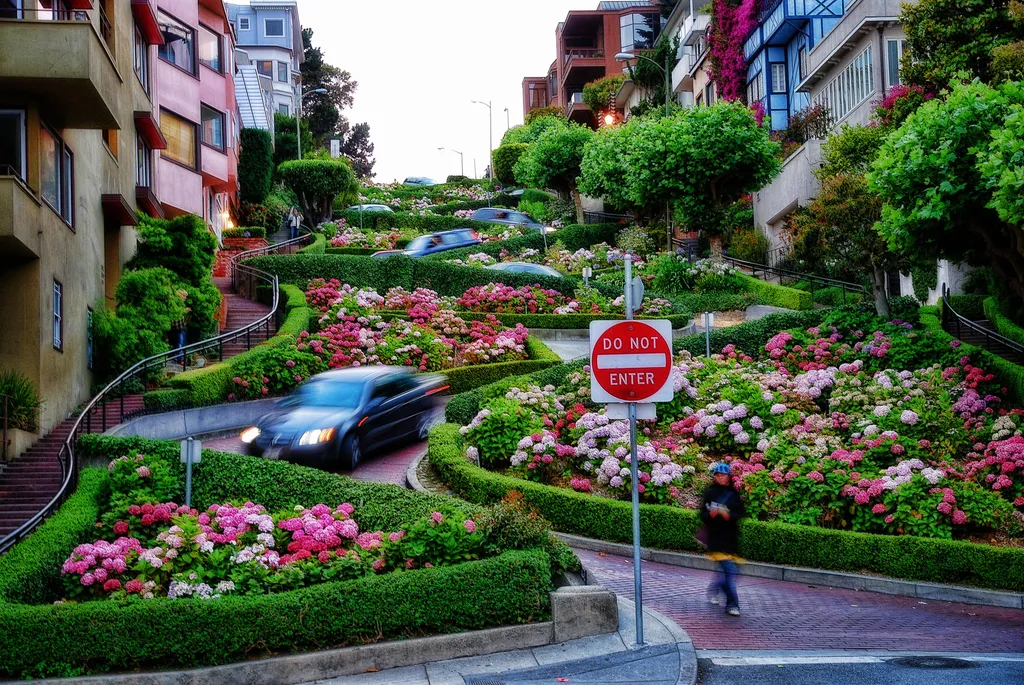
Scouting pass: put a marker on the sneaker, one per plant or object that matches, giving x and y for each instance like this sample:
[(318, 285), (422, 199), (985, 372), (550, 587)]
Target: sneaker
[(715, 600), (733, 611)]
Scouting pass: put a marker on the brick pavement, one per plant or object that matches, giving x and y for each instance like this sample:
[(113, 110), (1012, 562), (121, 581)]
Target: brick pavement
[(385, 467), (785, 615)]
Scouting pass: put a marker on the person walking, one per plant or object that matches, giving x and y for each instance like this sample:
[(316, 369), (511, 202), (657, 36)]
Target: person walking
[(721, 512), (294, 221)]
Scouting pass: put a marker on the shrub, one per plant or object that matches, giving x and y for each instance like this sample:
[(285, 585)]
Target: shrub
[(260, 215), (428, 223), (167, 400), (456, 178), (779, 295), (316, 182), (573, 237), (496, 431), (599, 95), (1004, 325), (318, 246), (184, 245), (505, 158), (969, 306), (255, 165), (750, 246), (19, 400), (245, 232)]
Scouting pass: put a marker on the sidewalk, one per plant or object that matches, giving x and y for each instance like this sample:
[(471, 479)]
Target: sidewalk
[(667, 658)]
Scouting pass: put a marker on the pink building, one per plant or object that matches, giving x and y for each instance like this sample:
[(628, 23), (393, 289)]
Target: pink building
[(194, 95)]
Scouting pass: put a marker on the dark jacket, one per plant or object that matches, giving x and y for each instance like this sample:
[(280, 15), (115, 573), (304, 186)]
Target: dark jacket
[(723, 535)]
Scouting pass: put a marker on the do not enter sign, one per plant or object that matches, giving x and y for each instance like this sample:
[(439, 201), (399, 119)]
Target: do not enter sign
[(631, 361)]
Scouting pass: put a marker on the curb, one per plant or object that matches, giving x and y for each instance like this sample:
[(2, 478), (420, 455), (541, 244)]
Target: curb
[(411, 479), (810, 576), (684, 645)]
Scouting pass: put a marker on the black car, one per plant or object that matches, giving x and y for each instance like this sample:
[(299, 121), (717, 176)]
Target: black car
[(506, 217), (338, 417), (424, 245)]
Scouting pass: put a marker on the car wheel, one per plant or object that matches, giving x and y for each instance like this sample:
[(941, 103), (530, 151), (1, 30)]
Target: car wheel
[(351, 452), (428, 419)]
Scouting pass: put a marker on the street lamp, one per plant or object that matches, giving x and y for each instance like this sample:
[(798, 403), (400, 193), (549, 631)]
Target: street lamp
[(490, 132), (298, 120), (462, 160), (508, 121), (627, 57)]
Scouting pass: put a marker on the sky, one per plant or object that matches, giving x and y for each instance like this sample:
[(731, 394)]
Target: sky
[(421, 63)]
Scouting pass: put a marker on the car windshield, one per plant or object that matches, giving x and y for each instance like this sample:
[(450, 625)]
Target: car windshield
[(420, 243), (341, 394)]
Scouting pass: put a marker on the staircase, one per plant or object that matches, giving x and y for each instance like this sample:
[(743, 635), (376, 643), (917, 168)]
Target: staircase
[(241, 312), (976, 335)]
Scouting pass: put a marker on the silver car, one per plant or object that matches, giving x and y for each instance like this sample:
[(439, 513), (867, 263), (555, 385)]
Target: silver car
[(526, 268), (371, 208)]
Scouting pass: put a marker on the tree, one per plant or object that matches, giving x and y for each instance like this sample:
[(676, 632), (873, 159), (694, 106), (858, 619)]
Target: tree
[(599, 95), (553, 161), (532, 130), (184, 245), (703, 159), (505, 158), (541, 112), (651, 80), (323, 110), (255, 165), (607, 160), (947, 177), (284, 139), (947, 37), (316, 182), (357, 147)]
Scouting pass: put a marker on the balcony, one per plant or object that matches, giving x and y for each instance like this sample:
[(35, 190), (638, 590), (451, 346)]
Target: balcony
[(583, 64), (19, 218), (60, 61), (577, 110), (780, 20)]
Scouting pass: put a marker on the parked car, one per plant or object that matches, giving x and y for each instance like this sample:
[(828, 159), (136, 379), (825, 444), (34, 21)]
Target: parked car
[(419, 181), (508, 217), (371, 208), (337, 418), (526, 268), (436, 242)]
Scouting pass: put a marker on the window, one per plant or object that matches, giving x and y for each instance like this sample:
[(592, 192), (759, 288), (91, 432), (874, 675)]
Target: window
[(181, 139), (12, 142), (56, 172), (283, 109), (265, 67), (755, 89), (179, 44), (282, 72), (638, 31), (58, 315), (778, 78), (88, 337), (140, 60), (143, 163), (110, 140), (895, 61), (213, 127), (209, 48), (243, 23), (709, 93), (802, 59), (273, 28), (854, 85), (10, 9)]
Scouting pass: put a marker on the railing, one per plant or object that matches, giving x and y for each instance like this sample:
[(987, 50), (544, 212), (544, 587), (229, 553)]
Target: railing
[(955, 323), (114, 393), (782, 272), (767, 7), (56, 13), (582, 53), (605, 218)]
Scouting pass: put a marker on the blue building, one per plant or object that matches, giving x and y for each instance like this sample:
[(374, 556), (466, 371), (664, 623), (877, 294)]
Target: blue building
[(270, 32)]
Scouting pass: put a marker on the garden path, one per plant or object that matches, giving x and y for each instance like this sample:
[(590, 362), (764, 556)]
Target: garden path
[(787, 615)]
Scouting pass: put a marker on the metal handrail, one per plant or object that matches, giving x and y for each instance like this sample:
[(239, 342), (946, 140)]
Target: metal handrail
[(66, 456), (952, 317), (799, 275)]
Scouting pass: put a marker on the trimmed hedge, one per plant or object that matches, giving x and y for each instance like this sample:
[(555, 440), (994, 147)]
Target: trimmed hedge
[(253, 231), (1003, 324), (567, 321), (425, 223), (318, 245), (1009, 374), (468, 377), (166, 400), (665, 527), (39, 639), (751, 336), (778, 295), (573, 237), (712, 302), (500, 200), (969, 306)]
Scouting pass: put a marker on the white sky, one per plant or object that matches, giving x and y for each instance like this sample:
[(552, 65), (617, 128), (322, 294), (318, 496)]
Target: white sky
[(420, 63)]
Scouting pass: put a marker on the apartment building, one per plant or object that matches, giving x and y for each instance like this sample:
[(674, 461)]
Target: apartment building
[(270, 32), (586, 43), (197, 172), (254, 93), (76, 124)]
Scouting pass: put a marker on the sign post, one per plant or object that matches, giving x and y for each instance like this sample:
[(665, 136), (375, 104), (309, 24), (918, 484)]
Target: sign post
[(631, 363), (191, 453)]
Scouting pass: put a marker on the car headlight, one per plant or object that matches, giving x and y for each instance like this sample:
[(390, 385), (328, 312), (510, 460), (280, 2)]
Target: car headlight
[(250, 434), (317, 435)]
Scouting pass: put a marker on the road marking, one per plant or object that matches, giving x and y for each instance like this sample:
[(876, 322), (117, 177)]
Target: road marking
[(794, 660)]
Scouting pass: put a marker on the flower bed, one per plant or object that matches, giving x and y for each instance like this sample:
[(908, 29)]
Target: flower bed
[(206, 585), (886, 432)]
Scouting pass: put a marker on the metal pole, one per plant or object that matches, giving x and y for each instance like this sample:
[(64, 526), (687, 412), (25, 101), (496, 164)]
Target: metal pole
[(462, 164), (490, 136), (188, 472), (298, 129), (707, 332), (634, 475)]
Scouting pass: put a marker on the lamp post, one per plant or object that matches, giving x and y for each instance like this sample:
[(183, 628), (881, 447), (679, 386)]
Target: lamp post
[(462, 159), (490, 132), (627, 57), (508, 121), (298, 120)]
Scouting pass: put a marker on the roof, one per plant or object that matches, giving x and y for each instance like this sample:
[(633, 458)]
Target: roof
[(359, 373), (615, 5)]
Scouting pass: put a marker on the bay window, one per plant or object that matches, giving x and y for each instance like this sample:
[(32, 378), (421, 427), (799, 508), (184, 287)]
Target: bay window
[(180, 135), (213, 127), (209, 49), (179, 46)]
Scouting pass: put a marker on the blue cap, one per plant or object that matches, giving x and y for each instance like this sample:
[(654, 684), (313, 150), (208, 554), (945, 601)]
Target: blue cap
[(721, 467)]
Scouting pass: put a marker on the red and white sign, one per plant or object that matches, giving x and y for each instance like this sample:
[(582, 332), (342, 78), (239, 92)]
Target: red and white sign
[(631, 361)]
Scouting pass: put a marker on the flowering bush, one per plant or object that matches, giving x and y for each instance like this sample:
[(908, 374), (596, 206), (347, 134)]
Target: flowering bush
[(498, 297)]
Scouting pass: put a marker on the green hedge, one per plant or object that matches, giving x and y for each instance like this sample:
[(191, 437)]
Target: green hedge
[(500, 200), (673, 528), (1003, 324), (573, 237), (464, 406), (39, 639), (424, 223), (1009, 374), (468, 377), (712, 302), (969, 306), (166, 400), (568, 321), (778, 295), (318, 245), (253, 231), (751, 336)]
